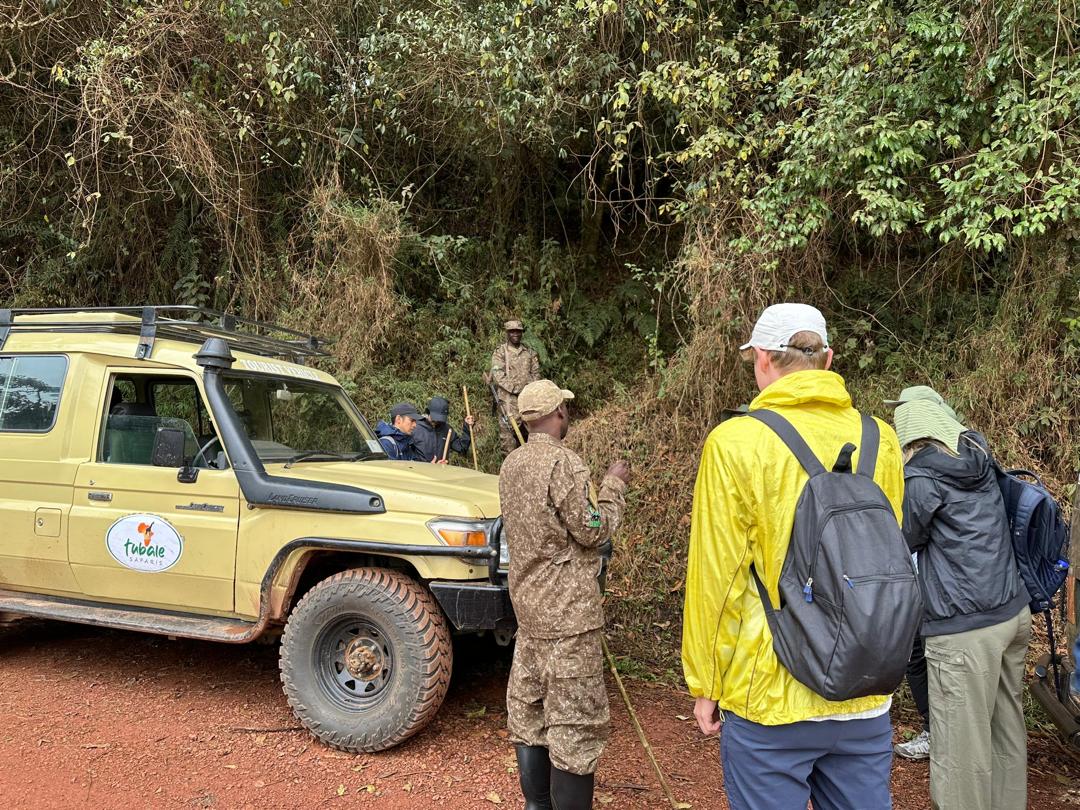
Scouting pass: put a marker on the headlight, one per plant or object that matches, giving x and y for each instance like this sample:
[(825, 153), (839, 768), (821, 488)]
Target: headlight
[(453, 532), (504, 552)]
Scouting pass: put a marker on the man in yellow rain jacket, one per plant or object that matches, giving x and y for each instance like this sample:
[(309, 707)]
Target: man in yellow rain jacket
[(782, 744)]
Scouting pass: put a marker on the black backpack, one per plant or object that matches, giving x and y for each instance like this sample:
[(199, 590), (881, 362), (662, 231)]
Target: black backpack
[(850, 604)]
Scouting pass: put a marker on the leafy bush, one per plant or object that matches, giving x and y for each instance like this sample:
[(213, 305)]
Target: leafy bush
[(635, 179)]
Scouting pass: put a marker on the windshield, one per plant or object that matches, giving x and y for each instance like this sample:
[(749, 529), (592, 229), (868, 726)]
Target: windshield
[(292, 420)]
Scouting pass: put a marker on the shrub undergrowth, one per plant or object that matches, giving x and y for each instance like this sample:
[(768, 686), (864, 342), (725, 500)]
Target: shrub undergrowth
[(635, 179)]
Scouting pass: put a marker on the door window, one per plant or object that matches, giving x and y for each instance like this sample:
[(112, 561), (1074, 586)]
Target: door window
[(179, 399), (30, 392), (140, 406)]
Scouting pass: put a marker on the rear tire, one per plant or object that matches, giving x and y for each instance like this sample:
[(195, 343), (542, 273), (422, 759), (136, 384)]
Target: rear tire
[(366, 659)]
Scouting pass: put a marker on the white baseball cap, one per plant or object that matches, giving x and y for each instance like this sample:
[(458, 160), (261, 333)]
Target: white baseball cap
[(779, 322)]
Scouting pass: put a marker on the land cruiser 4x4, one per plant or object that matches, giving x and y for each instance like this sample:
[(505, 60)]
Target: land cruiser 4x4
[(187, 473)]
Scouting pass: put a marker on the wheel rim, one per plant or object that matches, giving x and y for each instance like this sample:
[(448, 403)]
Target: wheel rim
[(354, 663)]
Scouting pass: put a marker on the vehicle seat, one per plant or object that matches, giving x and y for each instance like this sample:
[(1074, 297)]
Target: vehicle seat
[(133, 409), (129, 433)]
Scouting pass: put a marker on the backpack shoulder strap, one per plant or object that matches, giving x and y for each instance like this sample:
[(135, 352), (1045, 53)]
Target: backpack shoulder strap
[(763, 592), (871, 439), (790, 436)]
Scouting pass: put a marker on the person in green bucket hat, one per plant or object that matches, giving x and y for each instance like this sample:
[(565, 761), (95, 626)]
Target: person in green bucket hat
[(925, 419), (922, 414), (916, 393), (977, 623)]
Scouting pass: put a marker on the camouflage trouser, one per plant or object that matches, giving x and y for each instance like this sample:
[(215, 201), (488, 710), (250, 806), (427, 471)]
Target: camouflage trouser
[(507, 437), (556, 698)]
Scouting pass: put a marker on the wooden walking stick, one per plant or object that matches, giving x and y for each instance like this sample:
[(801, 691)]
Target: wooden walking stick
[(446, 444), (472, 437), (676, 805), (517, 430)]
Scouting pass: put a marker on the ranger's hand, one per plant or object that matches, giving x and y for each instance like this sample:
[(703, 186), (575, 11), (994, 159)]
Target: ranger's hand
[(621, 470), (470, 420)]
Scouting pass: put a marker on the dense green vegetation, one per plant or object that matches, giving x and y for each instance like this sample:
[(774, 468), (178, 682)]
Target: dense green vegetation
[(635, 178)]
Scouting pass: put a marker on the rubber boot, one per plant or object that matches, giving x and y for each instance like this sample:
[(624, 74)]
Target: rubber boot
[(534, 770), (570, 791)]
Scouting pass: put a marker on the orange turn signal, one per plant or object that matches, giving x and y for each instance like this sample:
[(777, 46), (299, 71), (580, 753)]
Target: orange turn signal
[(460, 538)]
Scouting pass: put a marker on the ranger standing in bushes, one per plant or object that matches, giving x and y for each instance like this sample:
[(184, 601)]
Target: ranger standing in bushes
[(513, 366), (556, 702)]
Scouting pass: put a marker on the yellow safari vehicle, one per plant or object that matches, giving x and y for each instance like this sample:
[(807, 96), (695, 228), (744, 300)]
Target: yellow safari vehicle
[(183, 472)]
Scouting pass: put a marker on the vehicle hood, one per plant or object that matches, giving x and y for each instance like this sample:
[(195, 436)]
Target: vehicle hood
[(405, 486)]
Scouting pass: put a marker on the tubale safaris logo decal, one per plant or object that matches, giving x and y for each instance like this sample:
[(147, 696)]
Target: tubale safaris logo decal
[(144, 543)]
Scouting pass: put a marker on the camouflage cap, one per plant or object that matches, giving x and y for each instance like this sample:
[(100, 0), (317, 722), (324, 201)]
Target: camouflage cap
[(514, 325), (538, 399)]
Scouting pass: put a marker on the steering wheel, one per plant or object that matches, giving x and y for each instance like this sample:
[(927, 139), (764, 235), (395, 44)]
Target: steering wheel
[(202, 453)]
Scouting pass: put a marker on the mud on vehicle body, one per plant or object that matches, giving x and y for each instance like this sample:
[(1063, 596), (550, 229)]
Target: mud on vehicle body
[(182, 472)]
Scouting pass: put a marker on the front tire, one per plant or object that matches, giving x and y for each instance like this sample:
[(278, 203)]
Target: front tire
[(366, 659)]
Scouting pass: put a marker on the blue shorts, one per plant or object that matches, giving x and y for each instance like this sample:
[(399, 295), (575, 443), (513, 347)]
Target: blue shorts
[(839, 764)]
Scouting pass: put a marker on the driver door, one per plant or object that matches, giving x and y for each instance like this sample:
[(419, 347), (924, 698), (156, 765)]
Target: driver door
[(137, 535)]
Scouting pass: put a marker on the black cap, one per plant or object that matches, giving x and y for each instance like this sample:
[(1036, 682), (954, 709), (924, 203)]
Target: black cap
[(439, 409), (404, 409)]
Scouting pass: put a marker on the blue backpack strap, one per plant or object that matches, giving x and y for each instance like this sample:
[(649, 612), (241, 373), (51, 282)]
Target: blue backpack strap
[(790, 436), (868, 451)]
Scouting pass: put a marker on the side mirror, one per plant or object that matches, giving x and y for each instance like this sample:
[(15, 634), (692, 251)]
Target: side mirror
[(168, 448)]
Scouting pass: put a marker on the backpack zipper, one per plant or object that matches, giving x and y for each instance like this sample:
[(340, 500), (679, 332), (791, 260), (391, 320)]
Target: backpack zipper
[(879, 578), (808, 587)]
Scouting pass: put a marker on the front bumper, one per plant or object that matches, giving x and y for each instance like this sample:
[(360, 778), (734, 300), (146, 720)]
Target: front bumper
[(475, 605)]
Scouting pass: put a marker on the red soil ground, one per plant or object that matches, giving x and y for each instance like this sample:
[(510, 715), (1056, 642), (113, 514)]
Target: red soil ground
[(99, 719)]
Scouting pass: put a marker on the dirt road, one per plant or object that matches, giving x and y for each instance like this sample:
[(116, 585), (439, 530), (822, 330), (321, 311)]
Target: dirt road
[(101, 719)]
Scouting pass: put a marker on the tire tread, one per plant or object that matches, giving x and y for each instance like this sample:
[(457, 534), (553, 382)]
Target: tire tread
[(430, 652)]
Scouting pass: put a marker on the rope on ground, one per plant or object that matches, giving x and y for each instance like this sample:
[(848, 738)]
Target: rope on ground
[(676, 805)]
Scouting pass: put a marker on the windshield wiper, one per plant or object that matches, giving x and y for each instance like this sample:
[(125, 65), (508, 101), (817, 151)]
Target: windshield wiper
[(317, 454)]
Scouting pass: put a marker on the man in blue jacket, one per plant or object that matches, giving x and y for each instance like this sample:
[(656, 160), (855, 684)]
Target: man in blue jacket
[(396, 437)]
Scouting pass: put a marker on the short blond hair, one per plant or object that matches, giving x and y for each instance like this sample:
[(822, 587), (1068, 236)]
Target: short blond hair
[(805, 351)]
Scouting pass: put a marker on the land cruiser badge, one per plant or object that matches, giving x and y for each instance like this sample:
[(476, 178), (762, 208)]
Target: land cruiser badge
[(144, 543)]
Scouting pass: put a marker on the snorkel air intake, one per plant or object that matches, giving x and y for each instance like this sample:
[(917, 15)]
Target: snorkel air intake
[(260, 488)]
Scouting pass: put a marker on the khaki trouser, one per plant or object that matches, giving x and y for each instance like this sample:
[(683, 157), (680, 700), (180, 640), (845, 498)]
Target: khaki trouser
[(978, 740), (556, 698)]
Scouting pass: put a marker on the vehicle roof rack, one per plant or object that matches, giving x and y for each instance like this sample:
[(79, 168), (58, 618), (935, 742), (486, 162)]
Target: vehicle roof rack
[(186, 323)]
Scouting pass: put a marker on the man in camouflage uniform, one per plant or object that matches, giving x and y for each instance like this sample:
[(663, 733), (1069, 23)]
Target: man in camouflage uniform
[(554, 525), (513, 366)]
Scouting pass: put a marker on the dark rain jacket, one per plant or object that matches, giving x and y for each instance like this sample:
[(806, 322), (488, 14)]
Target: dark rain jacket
[(429, 439), (954, 518), (398, 446)]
